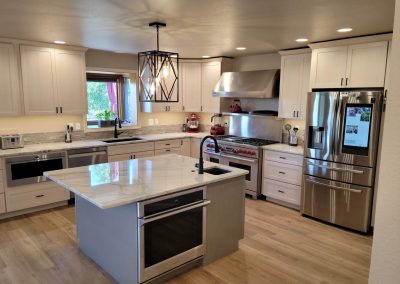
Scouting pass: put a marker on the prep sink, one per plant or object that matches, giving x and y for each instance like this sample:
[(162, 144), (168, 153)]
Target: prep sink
[(121, 140), (216, 171)]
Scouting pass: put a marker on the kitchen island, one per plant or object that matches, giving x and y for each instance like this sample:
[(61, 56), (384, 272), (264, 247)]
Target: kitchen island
[(146, 220)]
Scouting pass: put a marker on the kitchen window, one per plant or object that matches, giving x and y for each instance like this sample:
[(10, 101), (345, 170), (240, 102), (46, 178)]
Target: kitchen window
[(110, 96)]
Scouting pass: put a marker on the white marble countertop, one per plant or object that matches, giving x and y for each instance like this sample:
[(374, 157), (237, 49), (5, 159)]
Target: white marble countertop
[(59, 146), (297, 150), (118, 183)]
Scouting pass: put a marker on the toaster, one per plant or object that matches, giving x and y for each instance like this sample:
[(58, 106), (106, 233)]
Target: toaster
[(11, 141)]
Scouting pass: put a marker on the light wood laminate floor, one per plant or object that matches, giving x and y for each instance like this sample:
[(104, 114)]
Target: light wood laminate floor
[(279, 246)]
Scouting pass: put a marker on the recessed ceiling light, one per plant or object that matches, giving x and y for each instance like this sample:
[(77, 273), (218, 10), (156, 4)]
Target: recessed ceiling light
[(59, 42), (344, 30), (241, 48), (206, 56), (302, 39)]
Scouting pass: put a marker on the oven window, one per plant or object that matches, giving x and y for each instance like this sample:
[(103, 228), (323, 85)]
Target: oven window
[(172, 235), (244, 167), (34, 169)]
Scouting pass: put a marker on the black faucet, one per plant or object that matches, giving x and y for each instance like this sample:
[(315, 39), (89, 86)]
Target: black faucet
[(201, 161), (117, 120)]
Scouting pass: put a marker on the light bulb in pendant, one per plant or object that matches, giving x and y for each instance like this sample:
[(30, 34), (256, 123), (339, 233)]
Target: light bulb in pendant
[(165, 70), (153, 88)]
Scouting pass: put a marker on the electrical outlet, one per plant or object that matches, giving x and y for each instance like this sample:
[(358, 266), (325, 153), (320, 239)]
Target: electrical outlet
[(77, 126)]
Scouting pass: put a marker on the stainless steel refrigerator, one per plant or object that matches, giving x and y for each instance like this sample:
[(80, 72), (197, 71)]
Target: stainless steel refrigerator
[(342, 135)]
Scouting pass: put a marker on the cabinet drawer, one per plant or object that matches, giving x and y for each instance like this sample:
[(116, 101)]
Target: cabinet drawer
[(120, 157), (168, 151), (283, 157), (144, 154), (130, 148), (2, 204), (19, 201), (2, 180), (281, 191), (165, 144), (282, 172)]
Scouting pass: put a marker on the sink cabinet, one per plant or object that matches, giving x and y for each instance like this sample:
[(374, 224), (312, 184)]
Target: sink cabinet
[(130, 151)]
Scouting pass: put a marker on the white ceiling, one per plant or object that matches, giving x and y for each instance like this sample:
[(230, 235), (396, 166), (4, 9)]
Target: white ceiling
[(194, 27)]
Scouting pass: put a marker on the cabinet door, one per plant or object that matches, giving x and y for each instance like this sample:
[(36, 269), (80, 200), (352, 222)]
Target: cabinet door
[(144, 154), (195, 147), (290, 85), (9, 82), (71, 81), (174, 107), (191, 86), (38, 82), (305, 86), (366, 65), (210, 74), (185, 147), (152, 107), (329, 67)]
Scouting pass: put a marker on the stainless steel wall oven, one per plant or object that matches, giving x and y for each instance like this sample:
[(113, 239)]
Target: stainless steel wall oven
[(171, 231)]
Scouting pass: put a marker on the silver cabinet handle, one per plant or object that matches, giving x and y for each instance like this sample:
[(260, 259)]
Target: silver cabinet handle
[(283, 158), (341, 82), (39, 196), (60, 109), (297, 114), (294, 113), (281, 191), (171, 212), (334, 186), (337, 169), (282, 173), (56, 109), (346, 80)]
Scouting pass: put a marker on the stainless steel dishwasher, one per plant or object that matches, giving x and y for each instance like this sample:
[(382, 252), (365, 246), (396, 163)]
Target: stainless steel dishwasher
[(86, 156)]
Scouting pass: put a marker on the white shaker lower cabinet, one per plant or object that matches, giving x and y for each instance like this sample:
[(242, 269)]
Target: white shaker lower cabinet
[(282, 174), (130, 151), (176, 146), (30, 196)]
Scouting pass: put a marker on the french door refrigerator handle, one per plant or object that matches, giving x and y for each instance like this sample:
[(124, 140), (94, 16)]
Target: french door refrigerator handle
[(334, 186), (337, 169)]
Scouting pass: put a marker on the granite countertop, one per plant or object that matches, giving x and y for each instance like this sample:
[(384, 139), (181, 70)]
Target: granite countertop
[(118, 183), (297, 150), (57, 146)]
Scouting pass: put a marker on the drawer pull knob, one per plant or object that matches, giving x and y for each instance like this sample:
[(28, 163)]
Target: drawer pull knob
[(281, 191), (283, 158), (282, 173), (167, 144), (168, 150), (40, 195)]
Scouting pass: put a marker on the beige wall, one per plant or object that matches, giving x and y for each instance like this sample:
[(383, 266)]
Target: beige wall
[(257, 62), (385, 261)]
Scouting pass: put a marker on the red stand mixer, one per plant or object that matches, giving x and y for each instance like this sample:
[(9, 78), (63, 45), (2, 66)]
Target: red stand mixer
[(193, 123)]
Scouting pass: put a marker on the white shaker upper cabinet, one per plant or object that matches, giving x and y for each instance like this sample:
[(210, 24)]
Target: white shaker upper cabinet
[(191, 86), (366, 65), (71, 81), (9, 81), (294, 85), (38, 79), (328, 67), (210, 74)]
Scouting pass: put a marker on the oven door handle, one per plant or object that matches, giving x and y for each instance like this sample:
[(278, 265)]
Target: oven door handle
[(334, 186), (172, 212), (239, 158), (337, 169)]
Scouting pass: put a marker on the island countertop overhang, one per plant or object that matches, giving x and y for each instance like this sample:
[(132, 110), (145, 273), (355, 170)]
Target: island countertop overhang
[(115, 184)]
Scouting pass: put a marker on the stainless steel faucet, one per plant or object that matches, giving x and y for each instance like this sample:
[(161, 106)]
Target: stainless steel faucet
[(201, 161)]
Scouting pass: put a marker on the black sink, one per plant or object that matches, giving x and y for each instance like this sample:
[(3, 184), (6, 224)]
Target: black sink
[(122, 140), (216, 171)]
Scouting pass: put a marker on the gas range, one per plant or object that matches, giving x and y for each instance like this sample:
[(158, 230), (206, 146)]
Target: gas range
[(239, 146)]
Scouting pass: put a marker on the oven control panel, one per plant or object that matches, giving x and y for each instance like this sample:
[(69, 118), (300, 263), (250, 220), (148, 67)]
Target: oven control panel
[(233, 150)]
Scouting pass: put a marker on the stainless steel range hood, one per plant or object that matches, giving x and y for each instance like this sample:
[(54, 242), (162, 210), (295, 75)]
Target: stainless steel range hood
[(262, 84)]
